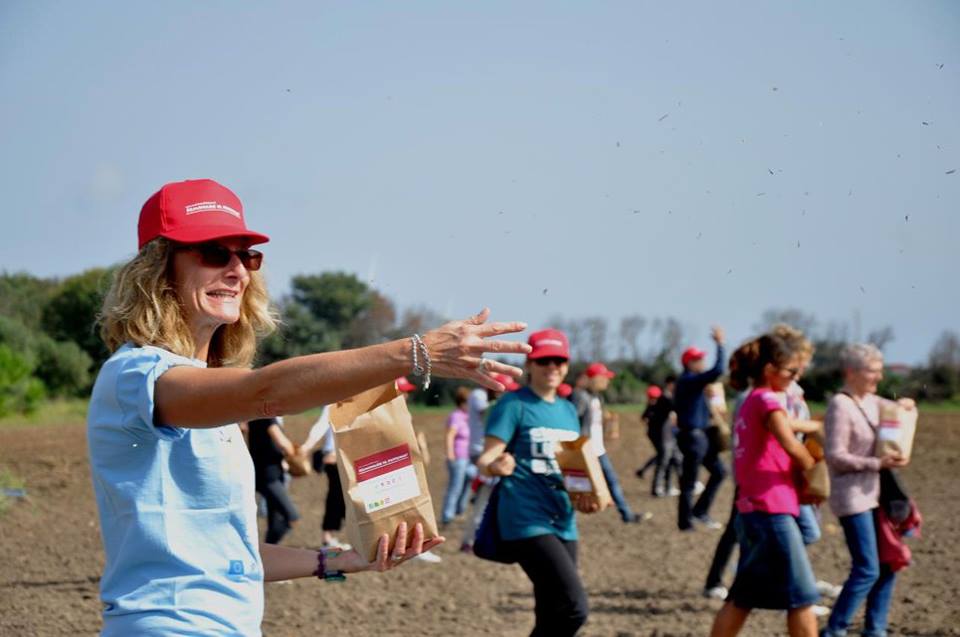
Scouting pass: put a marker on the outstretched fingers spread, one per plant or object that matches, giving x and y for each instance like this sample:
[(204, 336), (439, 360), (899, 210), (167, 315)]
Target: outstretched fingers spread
[(496, 329), (504, 347)]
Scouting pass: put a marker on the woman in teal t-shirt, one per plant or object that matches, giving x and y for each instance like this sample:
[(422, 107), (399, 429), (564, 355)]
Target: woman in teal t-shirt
[(536, 517)]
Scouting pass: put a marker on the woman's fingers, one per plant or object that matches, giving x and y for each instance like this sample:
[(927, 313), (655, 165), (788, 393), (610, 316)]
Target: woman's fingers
[(499, 328), (480, 317), (433, 543), (496, 367), (503, 347), (416, 546), (400, 545), (381, 563)]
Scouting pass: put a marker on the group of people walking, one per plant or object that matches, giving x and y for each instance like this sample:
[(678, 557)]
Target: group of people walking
[(175, 484)]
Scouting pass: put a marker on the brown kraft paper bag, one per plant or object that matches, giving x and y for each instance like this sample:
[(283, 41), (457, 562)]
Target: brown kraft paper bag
[(581, 471), (896, 430), (381, 468), (816, 480)]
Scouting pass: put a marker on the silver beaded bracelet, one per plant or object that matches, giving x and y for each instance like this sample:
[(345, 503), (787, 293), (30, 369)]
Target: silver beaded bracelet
[(418, 369)]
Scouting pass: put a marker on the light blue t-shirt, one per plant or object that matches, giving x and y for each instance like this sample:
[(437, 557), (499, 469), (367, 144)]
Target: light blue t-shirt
[(177, 511), (533, 500)]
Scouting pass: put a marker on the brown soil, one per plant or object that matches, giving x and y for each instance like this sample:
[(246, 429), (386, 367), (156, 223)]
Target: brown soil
[(642, 579)]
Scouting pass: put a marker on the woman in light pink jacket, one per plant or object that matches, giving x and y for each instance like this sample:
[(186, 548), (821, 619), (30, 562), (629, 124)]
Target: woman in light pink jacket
[(851, 433)]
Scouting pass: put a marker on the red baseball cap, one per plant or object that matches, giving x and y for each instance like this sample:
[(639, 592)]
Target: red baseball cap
[(506, 381), (564, 390), (598, 369), (194, 211), (691, 354), (654, 392), (404, 385), (548, 343)]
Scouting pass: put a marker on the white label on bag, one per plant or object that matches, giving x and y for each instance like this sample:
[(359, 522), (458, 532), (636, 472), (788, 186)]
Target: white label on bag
[(386, 478), (576, 481), (891, 434)]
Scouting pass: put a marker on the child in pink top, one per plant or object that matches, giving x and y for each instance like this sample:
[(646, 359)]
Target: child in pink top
[(764, 469), (774, 571)]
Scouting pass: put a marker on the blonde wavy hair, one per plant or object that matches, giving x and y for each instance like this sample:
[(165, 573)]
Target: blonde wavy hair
[(142, 307)]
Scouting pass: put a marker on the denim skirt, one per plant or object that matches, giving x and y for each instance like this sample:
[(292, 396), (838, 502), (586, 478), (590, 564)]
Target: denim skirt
[(774, 571)]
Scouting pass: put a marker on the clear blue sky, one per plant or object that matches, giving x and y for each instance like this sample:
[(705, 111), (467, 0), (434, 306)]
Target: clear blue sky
[(458, 154)]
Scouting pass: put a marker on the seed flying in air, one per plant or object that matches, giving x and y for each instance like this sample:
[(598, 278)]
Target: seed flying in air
[(760, 194), (730, 271), (699, 234), (951, 171), (850, 193), (663, 117), (544, 291), (906, 217), (862, 290), (769, 171), (774, 89), (618, 144), (940, 66), (798, 244), (925, 123)]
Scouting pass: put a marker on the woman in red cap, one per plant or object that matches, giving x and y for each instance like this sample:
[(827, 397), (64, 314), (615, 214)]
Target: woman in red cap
[(534, 512), (173, 480)]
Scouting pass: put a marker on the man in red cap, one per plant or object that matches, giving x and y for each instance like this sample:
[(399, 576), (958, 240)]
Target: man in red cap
[(590, 411), (692, 420)]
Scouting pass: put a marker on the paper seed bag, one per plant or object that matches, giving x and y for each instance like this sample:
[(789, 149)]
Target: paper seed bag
[(581, 471), (381, 468), (896, 430)]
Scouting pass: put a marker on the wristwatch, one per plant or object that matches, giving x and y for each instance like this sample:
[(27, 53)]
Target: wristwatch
[(322, 571)]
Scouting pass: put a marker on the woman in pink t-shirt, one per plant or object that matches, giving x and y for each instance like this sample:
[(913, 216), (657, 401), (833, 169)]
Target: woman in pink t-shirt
[(774, 571), (458, 459)]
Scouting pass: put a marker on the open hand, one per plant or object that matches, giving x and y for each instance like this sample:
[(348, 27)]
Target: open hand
[(387, 557), (457, 349)]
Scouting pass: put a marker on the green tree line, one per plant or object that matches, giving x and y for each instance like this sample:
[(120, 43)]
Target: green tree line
[(50, 345)]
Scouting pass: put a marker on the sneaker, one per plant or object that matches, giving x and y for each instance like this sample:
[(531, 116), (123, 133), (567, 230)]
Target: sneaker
[(337, 544), (659, 493), (716, 592), (673, 492), (820, 611), (698, 488), (637, 517), (708, 522), (828, 590), (429, 557)]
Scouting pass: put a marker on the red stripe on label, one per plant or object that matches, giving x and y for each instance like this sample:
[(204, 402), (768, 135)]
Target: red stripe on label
[(576, 473), (382, 462)]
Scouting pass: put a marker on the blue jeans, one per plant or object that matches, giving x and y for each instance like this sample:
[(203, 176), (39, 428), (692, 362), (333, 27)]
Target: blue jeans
[(869, 580), (461, 473), (697, 450), (616, 491), (809, 524)]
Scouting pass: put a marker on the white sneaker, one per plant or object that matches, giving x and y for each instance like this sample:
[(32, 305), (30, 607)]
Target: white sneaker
[(698, 488), (673, 492), (717, 592), (433, 558), (828, 590), (820, 611)]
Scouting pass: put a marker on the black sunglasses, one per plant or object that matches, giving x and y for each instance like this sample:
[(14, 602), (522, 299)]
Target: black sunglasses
[(548, 360), (215, 255)]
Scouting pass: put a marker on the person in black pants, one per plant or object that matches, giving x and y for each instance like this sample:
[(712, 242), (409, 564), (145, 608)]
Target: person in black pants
[(268, 446), (535, 514), (692, 420)]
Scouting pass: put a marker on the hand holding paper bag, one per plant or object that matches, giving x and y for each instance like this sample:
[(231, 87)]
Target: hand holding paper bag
[(382, 472)]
